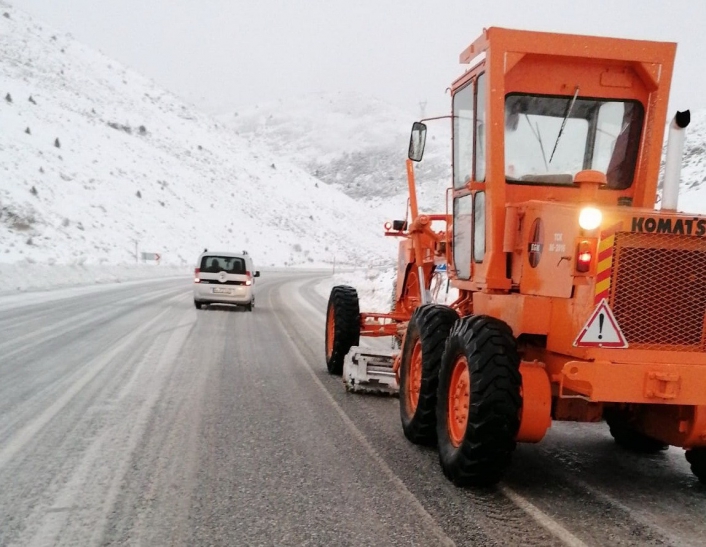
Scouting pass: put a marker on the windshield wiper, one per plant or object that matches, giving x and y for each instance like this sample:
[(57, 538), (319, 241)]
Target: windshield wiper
[(563, 123), (538, 136)]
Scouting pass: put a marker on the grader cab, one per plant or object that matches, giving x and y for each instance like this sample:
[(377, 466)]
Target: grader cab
[(578, 300)]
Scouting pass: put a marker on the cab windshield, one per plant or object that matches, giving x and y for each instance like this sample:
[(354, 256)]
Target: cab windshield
[(549, 139)]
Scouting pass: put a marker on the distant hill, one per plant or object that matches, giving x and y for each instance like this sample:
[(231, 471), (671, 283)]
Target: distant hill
[(355, 143)]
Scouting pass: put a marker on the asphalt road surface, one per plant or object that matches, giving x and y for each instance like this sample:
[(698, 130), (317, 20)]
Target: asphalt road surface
[(127, 417)]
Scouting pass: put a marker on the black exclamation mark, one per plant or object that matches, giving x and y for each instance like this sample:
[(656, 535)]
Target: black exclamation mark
[(601, 317)]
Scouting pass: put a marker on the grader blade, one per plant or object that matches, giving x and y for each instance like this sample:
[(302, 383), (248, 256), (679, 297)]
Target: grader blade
[(367, 370)]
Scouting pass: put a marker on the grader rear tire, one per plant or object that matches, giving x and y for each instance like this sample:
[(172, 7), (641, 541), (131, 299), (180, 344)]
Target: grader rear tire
[(419, 370), (629, 438), (479, 402), (342, 326), (697, 458)]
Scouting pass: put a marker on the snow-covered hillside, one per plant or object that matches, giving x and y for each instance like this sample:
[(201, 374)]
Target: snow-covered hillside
[(356, 143), (94, 158)]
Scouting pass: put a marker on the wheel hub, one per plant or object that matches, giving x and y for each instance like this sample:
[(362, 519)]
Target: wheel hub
[(459, 401)]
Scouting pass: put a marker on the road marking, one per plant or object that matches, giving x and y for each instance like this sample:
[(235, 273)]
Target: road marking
[(392, 477), (539, 516)]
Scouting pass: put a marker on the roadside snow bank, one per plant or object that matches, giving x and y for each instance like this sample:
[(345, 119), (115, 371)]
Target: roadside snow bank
[(24, 276), (376, 288)]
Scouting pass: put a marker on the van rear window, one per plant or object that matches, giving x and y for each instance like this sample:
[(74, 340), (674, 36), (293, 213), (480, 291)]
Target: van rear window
[(216, 264)]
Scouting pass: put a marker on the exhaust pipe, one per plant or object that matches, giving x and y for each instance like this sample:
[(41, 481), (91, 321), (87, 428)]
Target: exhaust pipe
[(672, 165)]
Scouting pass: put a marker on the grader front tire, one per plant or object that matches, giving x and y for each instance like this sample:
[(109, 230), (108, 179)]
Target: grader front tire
[(342, 326), (479, 401), (424, 343)]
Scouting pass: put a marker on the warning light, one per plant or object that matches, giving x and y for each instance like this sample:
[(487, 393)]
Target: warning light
[(584, 257), (590, 218)]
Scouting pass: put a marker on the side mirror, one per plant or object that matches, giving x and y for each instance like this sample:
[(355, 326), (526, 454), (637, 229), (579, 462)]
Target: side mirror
[(417, 141), (257, 273)]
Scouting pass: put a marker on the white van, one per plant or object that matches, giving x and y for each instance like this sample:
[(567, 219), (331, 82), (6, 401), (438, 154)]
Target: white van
[(224, 278)]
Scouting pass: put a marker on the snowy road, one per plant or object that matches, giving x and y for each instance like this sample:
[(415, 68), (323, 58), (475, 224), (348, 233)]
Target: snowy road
[(128, 417)]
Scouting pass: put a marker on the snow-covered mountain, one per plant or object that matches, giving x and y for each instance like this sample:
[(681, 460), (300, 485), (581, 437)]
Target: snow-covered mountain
[(96, 159), (355, 143)]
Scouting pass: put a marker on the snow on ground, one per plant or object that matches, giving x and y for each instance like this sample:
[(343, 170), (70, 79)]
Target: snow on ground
[(95, 159)]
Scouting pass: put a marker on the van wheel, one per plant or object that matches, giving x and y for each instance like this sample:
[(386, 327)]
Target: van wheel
[(342, 326), (478, 402), (198, 305), (419, 370), (248, 307)]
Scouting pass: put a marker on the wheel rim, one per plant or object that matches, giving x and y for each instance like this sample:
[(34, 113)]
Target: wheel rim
[(330, 331), (414, 382), (459, 401)]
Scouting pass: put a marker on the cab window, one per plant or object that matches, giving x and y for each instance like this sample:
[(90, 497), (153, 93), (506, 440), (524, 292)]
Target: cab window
[(463, 222), (549, 139), (463, 136)]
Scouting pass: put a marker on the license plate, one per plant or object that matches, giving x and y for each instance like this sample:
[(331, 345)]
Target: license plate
[(219, 290)]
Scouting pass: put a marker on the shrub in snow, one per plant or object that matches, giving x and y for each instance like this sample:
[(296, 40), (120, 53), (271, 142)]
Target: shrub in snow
[(31, 100), (57, 143), (8, 98), (121, 127), (28, 131), (138, 194), (33, 191)]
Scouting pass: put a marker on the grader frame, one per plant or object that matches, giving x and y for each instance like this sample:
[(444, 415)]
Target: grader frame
[(557, 252)]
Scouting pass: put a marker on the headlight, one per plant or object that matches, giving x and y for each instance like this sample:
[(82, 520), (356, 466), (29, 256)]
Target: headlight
[(590, 218)]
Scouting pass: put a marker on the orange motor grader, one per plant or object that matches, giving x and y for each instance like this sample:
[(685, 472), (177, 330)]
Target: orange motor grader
[(578, 300)]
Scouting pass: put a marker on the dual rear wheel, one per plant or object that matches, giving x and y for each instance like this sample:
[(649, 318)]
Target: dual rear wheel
[(460, 388)]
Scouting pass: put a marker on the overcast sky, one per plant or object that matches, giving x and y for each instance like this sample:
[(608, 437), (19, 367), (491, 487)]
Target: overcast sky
[(228, 54)]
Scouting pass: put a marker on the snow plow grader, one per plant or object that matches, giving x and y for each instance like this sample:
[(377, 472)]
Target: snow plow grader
[(578, 300)]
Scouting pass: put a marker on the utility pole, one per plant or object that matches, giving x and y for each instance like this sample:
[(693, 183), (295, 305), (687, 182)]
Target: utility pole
[(136, 255)]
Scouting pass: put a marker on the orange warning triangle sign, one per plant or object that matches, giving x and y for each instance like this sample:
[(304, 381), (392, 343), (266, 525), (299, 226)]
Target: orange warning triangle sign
[(601, 330)]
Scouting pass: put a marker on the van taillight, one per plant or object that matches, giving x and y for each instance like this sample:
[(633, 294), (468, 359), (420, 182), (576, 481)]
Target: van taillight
[(196, 275), (584, 257), (248, 281)]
